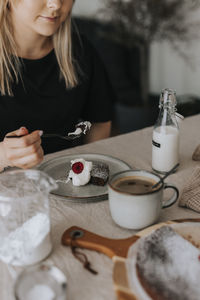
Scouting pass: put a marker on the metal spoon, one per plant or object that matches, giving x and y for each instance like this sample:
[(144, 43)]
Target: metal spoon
[(166, 175)]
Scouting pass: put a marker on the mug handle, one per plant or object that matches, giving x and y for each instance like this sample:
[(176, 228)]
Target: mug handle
[(174, 197)]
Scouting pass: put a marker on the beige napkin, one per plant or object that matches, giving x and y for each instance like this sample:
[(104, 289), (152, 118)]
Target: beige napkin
[(190, 196), (196, 154)]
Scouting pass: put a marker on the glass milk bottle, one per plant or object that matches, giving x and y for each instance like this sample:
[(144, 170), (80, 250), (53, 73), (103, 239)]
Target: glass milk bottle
[(165, 142)]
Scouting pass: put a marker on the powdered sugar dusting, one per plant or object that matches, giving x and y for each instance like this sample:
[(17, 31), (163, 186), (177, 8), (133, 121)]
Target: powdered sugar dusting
[(100, 170), (170, 264)]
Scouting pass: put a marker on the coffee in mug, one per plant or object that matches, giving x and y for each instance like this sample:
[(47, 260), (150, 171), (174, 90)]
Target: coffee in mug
[(133, 203), (135, 185)]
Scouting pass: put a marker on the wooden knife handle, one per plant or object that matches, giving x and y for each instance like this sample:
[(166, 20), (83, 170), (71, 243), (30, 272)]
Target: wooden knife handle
[(91, 241)]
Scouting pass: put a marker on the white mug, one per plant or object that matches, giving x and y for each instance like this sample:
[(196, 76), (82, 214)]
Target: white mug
[(136, 211)]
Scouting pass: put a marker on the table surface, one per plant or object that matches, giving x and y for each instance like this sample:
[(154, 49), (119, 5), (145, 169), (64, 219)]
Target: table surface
[(135, 149)]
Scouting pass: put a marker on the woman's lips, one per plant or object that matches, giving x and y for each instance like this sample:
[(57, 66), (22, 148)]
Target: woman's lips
[(50, 19)]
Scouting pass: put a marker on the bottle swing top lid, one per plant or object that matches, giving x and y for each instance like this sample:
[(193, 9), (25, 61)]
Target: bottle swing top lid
[(168, 97)]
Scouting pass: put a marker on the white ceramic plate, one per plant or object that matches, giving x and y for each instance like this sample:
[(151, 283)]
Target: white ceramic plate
[(57, 169)]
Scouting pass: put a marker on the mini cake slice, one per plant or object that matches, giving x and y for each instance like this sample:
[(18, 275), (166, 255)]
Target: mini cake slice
[(168, 266)]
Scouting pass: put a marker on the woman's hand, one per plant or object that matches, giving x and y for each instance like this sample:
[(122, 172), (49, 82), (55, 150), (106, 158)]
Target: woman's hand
[(24, 152)]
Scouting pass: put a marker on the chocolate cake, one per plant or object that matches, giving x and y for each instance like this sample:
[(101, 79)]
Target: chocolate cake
[(168, 266), (99, 174)]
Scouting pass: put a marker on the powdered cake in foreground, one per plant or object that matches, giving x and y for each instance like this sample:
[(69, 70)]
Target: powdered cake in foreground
[(168, 266)]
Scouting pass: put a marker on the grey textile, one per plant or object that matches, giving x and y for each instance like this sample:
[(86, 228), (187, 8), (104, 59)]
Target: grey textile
[(190, 196), (196, 154)]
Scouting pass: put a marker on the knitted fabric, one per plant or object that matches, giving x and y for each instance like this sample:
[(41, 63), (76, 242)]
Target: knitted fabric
[(190, 196)]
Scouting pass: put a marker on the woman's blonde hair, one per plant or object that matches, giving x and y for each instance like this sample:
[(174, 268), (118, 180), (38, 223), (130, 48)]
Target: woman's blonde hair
[(10, 65)]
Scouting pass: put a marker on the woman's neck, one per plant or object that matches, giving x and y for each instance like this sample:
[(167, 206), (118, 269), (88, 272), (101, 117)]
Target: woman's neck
[(34, 50)]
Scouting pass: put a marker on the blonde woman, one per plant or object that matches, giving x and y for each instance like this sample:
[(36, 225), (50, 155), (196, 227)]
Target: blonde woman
[(49, 80)]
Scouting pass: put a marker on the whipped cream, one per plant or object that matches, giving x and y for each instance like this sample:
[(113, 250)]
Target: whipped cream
[(82, 127), (83, 177), (85, 126), (76, 132)]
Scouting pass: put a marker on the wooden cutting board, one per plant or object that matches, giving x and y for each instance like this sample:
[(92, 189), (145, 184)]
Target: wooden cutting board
[(116, 249)]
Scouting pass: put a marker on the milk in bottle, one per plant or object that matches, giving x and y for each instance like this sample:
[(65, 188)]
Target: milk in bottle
[(165, 141)]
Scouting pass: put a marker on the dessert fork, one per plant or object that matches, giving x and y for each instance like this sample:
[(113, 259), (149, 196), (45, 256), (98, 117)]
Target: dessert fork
[(51, 135), (64, 137), (81, 128)]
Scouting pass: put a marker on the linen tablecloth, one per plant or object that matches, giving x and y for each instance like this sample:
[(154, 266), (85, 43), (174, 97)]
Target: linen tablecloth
[(135, 149)]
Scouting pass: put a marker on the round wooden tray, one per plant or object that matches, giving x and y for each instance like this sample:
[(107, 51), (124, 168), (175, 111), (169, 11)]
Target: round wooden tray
[(117, 249)]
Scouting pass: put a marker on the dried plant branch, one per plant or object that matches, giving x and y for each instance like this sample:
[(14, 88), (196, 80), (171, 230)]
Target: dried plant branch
[(139, 22)]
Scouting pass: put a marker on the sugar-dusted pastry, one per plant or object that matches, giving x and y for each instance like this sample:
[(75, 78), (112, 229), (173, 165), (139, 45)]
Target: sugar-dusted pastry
[(168, 266)]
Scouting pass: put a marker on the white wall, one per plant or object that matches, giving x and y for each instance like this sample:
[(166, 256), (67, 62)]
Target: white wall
[(87, 8), (167, 68)]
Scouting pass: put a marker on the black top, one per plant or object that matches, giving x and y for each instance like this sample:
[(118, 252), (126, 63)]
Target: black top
[(43, 102)]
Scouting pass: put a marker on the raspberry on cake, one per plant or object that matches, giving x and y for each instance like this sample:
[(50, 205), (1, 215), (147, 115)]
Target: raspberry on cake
[(77, 167)]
